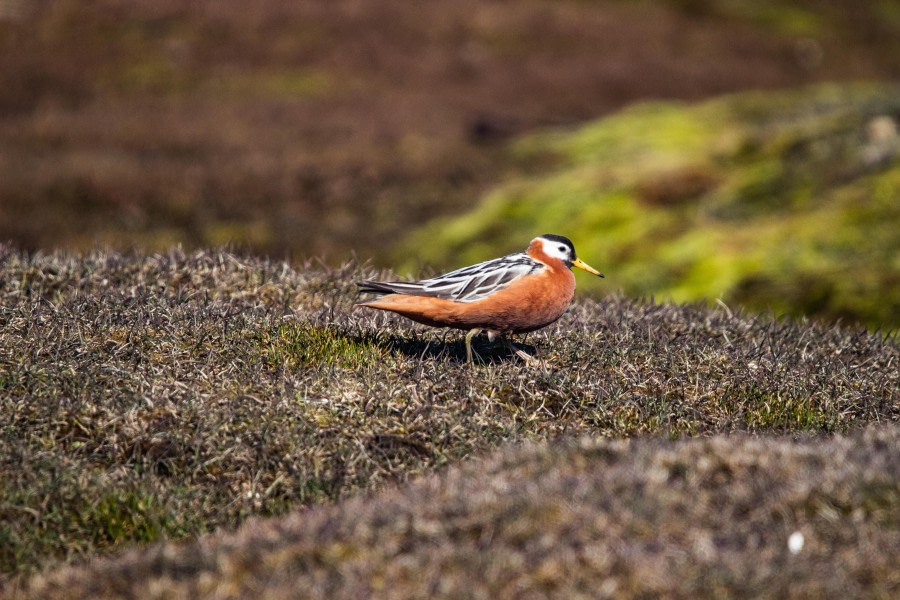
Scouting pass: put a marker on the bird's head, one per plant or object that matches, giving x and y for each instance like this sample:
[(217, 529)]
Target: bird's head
[(560, 247)]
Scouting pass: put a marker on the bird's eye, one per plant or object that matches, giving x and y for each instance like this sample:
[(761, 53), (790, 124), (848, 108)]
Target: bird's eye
[(562, 249)]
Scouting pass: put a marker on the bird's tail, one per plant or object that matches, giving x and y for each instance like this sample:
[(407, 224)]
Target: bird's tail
[(374, 287)]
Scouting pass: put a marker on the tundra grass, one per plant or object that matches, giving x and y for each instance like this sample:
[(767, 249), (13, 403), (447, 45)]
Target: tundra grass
[(731, 516), (164, 396)]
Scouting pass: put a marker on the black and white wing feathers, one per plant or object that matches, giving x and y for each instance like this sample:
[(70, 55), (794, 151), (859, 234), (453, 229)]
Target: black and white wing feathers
[(463, 285)]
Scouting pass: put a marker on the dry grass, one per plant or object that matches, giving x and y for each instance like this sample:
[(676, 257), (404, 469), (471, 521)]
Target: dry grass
[(586, 519), (148, 397)]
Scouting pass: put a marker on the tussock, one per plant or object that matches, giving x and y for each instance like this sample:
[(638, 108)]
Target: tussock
[(587, 519), (153, 397)]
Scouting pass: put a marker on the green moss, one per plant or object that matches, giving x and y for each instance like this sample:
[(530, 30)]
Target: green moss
[(123, 515), (74, 516), (782, 201), (786, 413), (295, 344), (623, 145)]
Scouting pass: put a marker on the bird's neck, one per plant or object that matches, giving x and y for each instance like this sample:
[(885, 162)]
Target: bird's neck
[(536, 251)]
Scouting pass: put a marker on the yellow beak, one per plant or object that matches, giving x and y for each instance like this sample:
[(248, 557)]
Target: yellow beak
[(586, 267)]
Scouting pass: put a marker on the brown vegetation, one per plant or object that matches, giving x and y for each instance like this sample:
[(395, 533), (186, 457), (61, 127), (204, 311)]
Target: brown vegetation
[(330, 126), (149, 397), (729, 516)]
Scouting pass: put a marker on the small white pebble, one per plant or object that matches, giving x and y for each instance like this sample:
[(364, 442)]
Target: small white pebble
[(795, 542)]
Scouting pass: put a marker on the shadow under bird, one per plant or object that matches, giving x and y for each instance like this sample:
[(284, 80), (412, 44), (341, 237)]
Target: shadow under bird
[(512, 294)]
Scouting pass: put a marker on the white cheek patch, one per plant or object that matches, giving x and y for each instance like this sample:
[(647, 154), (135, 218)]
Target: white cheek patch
[(556, 249)]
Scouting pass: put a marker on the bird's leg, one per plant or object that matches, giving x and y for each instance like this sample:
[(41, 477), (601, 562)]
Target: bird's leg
[(518, 351), (472, 333)]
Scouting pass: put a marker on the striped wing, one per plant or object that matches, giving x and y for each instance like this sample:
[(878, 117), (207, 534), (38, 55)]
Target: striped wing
[(463, 285)]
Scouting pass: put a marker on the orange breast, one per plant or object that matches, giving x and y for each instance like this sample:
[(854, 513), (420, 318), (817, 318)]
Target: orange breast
[(530, 303)]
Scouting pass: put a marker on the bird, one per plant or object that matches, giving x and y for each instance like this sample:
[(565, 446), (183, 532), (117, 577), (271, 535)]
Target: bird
[(513, 294)]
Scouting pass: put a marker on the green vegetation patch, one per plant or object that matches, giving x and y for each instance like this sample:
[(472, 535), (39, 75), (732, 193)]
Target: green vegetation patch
[(51, 506), (780, 201), (294, 345)]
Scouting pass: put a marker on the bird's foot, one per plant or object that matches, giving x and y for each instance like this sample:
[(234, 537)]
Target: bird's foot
[(529, 359)]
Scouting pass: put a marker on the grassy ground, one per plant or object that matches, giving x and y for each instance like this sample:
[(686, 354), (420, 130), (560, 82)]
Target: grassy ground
[(724, 517), (149, 397)]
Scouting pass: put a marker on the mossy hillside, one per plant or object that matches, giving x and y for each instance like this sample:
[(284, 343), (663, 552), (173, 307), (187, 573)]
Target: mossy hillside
[(785, 201)]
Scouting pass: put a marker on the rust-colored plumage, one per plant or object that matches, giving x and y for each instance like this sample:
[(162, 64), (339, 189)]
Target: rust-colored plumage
[(513, 294)]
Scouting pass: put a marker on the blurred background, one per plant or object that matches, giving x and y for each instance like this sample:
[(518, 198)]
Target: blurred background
[(692, 149)]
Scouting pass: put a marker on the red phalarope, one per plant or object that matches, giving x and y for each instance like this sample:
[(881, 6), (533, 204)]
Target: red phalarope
[(517, 293)]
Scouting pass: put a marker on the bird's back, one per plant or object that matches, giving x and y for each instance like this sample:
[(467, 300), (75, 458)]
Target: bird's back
[(469, 284)]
